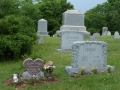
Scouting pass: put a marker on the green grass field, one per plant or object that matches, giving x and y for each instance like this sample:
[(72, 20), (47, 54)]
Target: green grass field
[(47, 51)]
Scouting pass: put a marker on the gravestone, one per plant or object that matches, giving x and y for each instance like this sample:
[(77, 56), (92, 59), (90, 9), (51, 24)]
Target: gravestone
[(96, 34), (41, 40), (93, 38), (108, 33), (67, 39), (88, 54), (33, 68), (42, 28), (72, 26), (104, 31), (116, 34), (73, 20)]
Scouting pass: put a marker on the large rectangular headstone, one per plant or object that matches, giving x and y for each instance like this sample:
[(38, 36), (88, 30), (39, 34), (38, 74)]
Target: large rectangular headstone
[(67, 39), (88, 54), (73, 18)]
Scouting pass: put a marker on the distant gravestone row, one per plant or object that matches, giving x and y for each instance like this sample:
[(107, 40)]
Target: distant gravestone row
[(105, 32)]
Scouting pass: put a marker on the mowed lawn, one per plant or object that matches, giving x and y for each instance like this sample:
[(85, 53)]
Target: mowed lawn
[(47, 51)]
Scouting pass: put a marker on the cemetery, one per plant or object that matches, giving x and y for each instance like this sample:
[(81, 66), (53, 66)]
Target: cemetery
[(73, 58), (63, 60)]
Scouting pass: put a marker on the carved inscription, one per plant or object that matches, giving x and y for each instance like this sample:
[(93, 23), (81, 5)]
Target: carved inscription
[(89, 49), (33, 67), (72, 39), (90, 57)]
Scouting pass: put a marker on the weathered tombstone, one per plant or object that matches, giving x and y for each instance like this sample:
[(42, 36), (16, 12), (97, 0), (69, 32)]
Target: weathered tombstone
[(33, 68), (42, 28), (96, 34), (88, 54), (104, 31), (116, 34), (72, 29), (108, 33), (67, 39), (73, 20), (41, 40), (93, 38)]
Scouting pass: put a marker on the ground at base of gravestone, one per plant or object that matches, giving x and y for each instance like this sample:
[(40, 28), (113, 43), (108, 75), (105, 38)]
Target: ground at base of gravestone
[(24, 84)]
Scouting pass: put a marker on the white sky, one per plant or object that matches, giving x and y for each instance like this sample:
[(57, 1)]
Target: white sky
[(84, 5)]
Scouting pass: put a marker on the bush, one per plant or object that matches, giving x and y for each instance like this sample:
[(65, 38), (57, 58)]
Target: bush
[(17, 36), (92, 30)]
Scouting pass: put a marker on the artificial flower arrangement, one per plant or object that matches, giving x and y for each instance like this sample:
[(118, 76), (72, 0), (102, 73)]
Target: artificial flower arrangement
[(94, 70), (48, 67), (83, 70)]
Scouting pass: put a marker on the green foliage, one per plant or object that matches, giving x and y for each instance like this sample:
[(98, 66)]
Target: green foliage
[(96, 18), (8, 7), (17, 35), (92, 30)]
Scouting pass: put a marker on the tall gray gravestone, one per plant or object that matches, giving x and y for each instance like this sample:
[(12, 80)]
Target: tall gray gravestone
[(73, 20), (88, 54), (104, 31), (42, 28), (72, 29)]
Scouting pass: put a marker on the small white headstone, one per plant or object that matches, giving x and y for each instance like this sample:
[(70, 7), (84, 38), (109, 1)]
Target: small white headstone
[(93, 38), (116, 34), (96, 34), (108, 33), (104, 31)]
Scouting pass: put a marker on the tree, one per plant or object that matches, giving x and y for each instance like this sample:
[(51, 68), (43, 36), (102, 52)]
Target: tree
[(96, 18), (115, 14), (8, 7)]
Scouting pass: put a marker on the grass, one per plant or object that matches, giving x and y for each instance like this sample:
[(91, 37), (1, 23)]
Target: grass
[(47, 51)]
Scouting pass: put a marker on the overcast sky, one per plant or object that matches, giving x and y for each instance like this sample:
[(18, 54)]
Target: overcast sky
[(84, 5)]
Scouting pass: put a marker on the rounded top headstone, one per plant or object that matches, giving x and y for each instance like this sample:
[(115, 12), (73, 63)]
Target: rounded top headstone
[(42, 20)]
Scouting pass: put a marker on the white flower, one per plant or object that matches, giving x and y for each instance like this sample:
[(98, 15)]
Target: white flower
[(53, 66)]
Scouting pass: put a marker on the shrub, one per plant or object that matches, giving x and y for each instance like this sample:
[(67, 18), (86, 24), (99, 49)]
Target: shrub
[(17, 36)]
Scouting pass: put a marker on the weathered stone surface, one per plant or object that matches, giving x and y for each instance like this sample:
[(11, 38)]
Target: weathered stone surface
[(88, 54), (33, 67)]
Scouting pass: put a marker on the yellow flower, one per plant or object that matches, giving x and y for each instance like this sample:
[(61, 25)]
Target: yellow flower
[(83, 68), (96, 67), (93, 68), (50, 62)]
